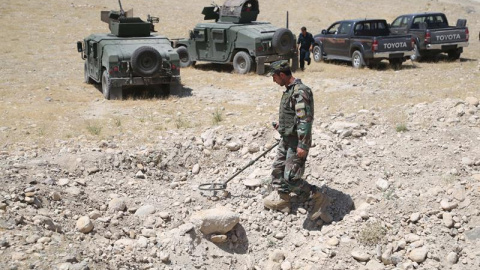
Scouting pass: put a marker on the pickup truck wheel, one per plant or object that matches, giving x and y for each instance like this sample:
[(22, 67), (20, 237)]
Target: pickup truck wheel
[(455, 54), (416, 53), (184, 57), (146, 61), (357, 60), (242, 62), (317, 53), (87, 78), (283, 41), (106, 85), (395, 63)]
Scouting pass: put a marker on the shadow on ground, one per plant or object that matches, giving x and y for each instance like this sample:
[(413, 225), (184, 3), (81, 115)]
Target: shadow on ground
[(340, 206), (237, 241)]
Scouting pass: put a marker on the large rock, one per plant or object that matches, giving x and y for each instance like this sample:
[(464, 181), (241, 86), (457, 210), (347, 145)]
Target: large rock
[(145, 210), (84, 224), (382, 184), (117, 204), (360, 255), (218, 220), (339, 127), (234, 146), (472, 101), (418, 255)]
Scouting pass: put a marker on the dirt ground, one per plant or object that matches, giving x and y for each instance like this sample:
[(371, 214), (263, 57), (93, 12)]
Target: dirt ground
[(54, 126)]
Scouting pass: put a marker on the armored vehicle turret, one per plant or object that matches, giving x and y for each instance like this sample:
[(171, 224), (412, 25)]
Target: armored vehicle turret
[(236, 37), (131, 54)]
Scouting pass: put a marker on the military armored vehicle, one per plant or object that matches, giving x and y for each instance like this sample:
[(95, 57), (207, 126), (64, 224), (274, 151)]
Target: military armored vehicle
[(236, 37), (131, 54)]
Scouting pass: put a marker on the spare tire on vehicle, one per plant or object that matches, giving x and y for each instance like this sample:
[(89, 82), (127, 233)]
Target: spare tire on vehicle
[(283, 41), (146, 61)]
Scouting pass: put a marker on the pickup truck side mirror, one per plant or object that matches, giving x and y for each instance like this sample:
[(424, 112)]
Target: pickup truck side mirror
[(324, 32), (79, 46)]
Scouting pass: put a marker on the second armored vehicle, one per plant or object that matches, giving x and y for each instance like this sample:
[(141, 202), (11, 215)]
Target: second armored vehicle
[(236, 37), (130, 55)]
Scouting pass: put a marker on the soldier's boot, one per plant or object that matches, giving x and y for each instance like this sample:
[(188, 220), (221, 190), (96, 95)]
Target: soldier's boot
[(278, 201), (320, 204), (303, 195)]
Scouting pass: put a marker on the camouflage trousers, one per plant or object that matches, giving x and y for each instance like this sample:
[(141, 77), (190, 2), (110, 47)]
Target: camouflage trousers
[(288, 168)]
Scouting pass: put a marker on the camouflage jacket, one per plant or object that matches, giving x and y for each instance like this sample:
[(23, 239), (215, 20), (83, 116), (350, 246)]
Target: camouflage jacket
[(300, 99)]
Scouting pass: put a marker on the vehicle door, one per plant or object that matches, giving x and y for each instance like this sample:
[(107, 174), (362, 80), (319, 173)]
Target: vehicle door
[(329, 39), (200, 37), (400, 25), (219, 46), (94, 59), (342, 39)]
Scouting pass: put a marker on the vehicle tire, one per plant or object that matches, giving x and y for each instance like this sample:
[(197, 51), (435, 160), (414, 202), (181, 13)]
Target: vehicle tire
[(283, 41), (86, 77), (185, 60), (146, 61), (242, 62), (317, 53), (395, 63), (106, 85), (416, 53), (454, 54), (357, 60)]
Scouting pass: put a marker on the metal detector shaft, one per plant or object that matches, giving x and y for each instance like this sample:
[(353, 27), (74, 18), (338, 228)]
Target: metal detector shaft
[(216, 186)]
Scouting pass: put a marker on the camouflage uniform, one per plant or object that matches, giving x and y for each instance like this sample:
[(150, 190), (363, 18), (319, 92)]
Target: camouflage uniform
[(295, 126)]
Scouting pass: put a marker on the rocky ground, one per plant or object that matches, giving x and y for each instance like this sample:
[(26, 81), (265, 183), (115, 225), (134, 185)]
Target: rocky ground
[(95, 184), (404, 198)]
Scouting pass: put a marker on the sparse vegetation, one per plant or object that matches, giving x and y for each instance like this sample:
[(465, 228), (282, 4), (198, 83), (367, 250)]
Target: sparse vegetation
[(94, 128), (217, 117), (372, 233), (117, 122), (181, 123), (401, 127)]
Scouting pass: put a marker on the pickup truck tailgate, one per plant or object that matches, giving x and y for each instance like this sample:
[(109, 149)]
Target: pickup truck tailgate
[(395, 44), (442, 36)]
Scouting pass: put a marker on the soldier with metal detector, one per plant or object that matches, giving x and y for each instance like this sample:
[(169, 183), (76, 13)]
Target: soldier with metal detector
[(295, 126)]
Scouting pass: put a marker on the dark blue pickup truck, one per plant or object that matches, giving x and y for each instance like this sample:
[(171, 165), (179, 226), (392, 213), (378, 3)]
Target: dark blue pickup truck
[(363, 42), (432, 34)]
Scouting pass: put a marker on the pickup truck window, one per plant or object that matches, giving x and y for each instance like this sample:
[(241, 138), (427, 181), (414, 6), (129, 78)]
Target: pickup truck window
[(344, 28), (432, 21), (374, 28), (401, 22), (333, 30)]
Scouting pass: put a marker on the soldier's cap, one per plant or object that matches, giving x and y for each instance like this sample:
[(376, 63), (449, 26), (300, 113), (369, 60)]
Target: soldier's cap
[(278, 66)]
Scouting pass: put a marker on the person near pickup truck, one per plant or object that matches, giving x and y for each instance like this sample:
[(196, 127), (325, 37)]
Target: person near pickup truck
[(305, 45), (295, 127)]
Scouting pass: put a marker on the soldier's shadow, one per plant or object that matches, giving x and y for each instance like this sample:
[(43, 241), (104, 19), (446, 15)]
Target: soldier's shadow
[(340, 206)]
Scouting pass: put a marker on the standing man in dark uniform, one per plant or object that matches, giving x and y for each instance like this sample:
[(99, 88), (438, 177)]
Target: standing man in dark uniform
[(305, 45), (295, 126)]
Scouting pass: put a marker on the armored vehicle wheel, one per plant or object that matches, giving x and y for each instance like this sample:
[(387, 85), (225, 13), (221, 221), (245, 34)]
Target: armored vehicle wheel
[(357, 60), (242, 62), (184, 57), (317, 53), (106, 85), (283, 41), (86, 77), (146, 61)]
